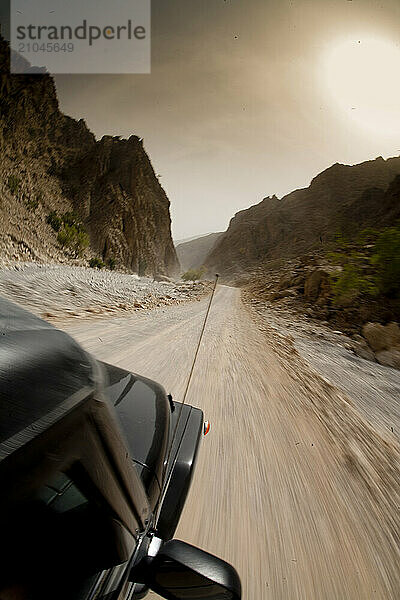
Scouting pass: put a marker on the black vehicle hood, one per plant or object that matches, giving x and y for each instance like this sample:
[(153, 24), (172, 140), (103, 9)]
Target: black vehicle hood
[(143, 412), (41, 368)]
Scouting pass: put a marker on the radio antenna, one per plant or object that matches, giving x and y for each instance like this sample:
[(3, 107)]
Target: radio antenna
[(195, 359), (200, 338)]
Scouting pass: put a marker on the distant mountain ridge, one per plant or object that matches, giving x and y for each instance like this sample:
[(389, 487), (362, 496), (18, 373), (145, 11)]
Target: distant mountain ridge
[(192, 253), (52, 164), (342, 198), (191, 238)]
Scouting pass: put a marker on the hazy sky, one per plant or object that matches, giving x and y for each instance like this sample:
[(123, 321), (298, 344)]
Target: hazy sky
[(249, 98)]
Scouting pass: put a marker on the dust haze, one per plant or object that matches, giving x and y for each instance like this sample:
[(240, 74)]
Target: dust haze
[(238, 106)]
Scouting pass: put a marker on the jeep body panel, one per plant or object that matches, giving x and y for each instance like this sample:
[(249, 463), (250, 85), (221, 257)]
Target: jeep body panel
[(69, 420)]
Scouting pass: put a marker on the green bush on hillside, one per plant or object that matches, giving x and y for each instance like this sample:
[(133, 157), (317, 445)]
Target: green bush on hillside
[(70, 218), (13, 184), (193, 274), (73, 238), (111, 262), (350, 283), (370, 266), (386, 262), (96, 263), (54, 220), (71, 232), (32, 203)]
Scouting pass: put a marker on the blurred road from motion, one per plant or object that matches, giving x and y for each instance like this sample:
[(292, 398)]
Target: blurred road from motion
[(292, 486)]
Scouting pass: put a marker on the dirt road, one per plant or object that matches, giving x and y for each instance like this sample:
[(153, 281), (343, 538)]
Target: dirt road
[(292, 486)]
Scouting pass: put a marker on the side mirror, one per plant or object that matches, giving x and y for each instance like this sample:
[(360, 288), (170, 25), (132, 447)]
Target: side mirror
[(182, 572)]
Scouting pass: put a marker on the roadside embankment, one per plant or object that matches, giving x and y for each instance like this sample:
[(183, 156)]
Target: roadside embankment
[(58, 291)]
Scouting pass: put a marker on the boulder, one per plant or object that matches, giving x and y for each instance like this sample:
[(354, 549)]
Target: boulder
[(290, 280), (375, 334), (389, 358), (366, 354), (364, 351), (281, 294), (381, 337), (299, 280), (361, 348), (392, 334), (285, 281), (162, 278), (316, 284)]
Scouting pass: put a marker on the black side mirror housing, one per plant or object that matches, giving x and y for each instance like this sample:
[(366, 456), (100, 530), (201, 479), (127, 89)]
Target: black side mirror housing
[(181, 572)]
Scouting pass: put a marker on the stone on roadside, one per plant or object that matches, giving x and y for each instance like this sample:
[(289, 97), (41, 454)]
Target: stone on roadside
[(389, 358), (364, 352), (392, 334), (375, 334), (163, 278), (285, 281), (281, 294), (381, 337), (316, 285)]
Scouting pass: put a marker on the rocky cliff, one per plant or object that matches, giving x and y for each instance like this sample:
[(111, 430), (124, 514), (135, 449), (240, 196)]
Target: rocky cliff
[(342, 199), (353, 281), (66, 197), (192, 254)]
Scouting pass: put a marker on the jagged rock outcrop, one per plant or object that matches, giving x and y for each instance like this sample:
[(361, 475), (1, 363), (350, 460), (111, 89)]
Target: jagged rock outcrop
[(342, 199), (115, 191), (51, 162), (192, 254)]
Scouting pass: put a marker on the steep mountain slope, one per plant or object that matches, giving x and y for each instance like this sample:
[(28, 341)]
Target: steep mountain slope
[(52, 164), (192, 254), (341, 199), (114, 189)]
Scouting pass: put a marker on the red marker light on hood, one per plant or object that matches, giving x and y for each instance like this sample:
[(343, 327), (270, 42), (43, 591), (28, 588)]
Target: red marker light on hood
[(206, 427)]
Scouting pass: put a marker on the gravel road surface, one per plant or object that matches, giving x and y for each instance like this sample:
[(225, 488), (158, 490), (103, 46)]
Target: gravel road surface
[(292, 485), (374, 389)]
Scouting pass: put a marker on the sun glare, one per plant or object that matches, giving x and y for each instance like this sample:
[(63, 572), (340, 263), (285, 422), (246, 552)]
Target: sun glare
[(363, 78)]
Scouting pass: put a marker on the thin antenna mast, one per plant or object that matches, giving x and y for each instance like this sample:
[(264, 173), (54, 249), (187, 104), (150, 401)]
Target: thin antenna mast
[(195, 357), (200, 338)]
